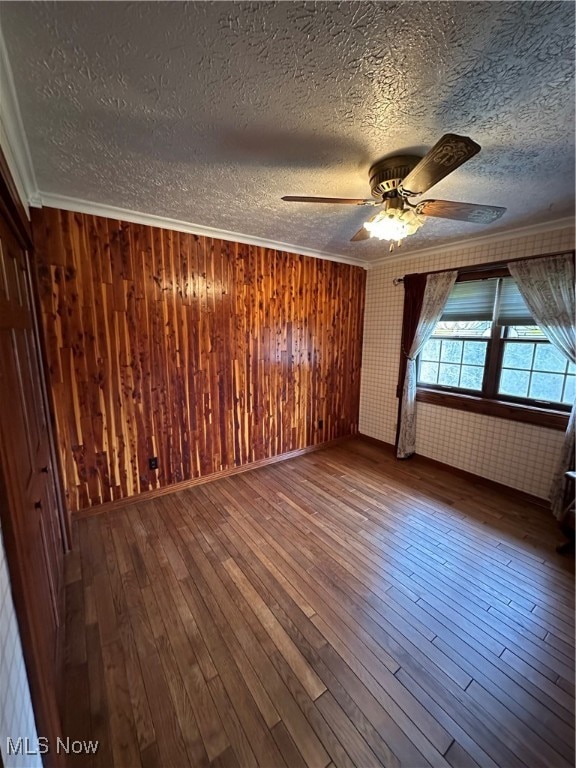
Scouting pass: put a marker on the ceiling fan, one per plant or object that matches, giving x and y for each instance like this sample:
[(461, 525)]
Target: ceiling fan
[(396, 179)]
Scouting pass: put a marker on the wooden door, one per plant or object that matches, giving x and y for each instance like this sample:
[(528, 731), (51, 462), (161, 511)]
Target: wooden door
[(31, 523)]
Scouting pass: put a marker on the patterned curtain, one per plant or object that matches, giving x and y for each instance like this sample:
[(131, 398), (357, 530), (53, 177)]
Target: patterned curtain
[(547, 286), (438, 287)]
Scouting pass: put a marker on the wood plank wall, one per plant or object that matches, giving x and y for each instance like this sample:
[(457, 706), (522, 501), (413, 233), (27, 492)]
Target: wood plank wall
[(205, 353)]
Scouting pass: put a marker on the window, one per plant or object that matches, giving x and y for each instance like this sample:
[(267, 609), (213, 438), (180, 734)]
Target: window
[(455, 356), (487, 346), (534, 369)]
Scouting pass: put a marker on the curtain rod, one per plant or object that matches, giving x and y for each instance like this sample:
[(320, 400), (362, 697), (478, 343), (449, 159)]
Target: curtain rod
[(488, 265)]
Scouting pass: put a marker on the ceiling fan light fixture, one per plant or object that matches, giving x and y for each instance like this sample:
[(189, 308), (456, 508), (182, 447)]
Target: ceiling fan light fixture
[(397, 178), (394, 224)]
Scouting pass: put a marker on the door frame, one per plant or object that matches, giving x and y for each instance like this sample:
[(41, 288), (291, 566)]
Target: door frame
[(12, 209), (48, 722)]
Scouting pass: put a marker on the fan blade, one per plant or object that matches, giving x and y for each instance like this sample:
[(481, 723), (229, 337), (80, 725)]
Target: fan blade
[(446, 209), (362, 234), (445, 156), (339, 200)]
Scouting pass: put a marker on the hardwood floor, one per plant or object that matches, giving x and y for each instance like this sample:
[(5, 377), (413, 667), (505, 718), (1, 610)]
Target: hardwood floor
[(338, 609)]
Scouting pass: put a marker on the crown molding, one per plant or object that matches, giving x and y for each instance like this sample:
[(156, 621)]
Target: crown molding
[(151, 220), (474, 242), (12, 135)]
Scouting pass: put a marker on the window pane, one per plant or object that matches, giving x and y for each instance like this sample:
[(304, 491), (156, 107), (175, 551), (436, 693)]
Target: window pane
[(451, 351), (428, 373), (547, 386), (569, 390), (517, 355), (525, 332), (571, 368), (449, 375), (471, 377), (474, 328), (514, 383), (474, 352), (431, 350), (548, 358)]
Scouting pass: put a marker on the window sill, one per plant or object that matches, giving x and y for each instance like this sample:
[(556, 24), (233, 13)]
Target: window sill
[(498, 408)]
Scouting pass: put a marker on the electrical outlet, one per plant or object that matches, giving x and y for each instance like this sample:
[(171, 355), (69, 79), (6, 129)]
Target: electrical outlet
[(153, 462)]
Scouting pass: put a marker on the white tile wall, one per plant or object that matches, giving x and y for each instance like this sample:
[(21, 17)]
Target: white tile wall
[(16, 715), (519, 455)]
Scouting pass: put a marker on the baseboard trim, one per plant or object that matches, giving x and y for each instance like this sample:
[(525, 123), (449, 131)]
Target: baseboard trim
[(110, 506), (470, 476), (388, 447)]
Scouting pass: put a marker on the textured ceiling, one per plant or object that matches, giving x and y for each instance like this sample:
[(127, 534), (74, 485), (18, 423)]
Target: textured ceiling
[(210, 112)]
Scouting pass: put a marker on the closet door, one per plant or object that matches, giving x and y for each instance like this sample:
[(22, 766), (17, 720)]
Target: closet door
[(30, 516)]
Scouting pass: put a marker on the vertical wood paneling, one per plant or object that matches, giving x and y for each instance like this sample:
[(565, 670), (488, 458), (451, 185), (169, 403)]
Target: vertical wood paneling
[(206, 353)]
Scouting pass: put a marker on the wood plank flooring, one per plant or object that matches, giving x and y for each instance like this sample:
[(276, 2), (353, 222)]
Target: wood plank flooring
[(338, 609)]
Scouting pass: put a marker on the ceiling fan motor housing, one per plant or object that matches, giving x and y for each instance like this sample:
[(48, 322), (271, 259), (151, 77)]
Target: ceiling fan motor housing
[(386, 175), (395, 203)]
